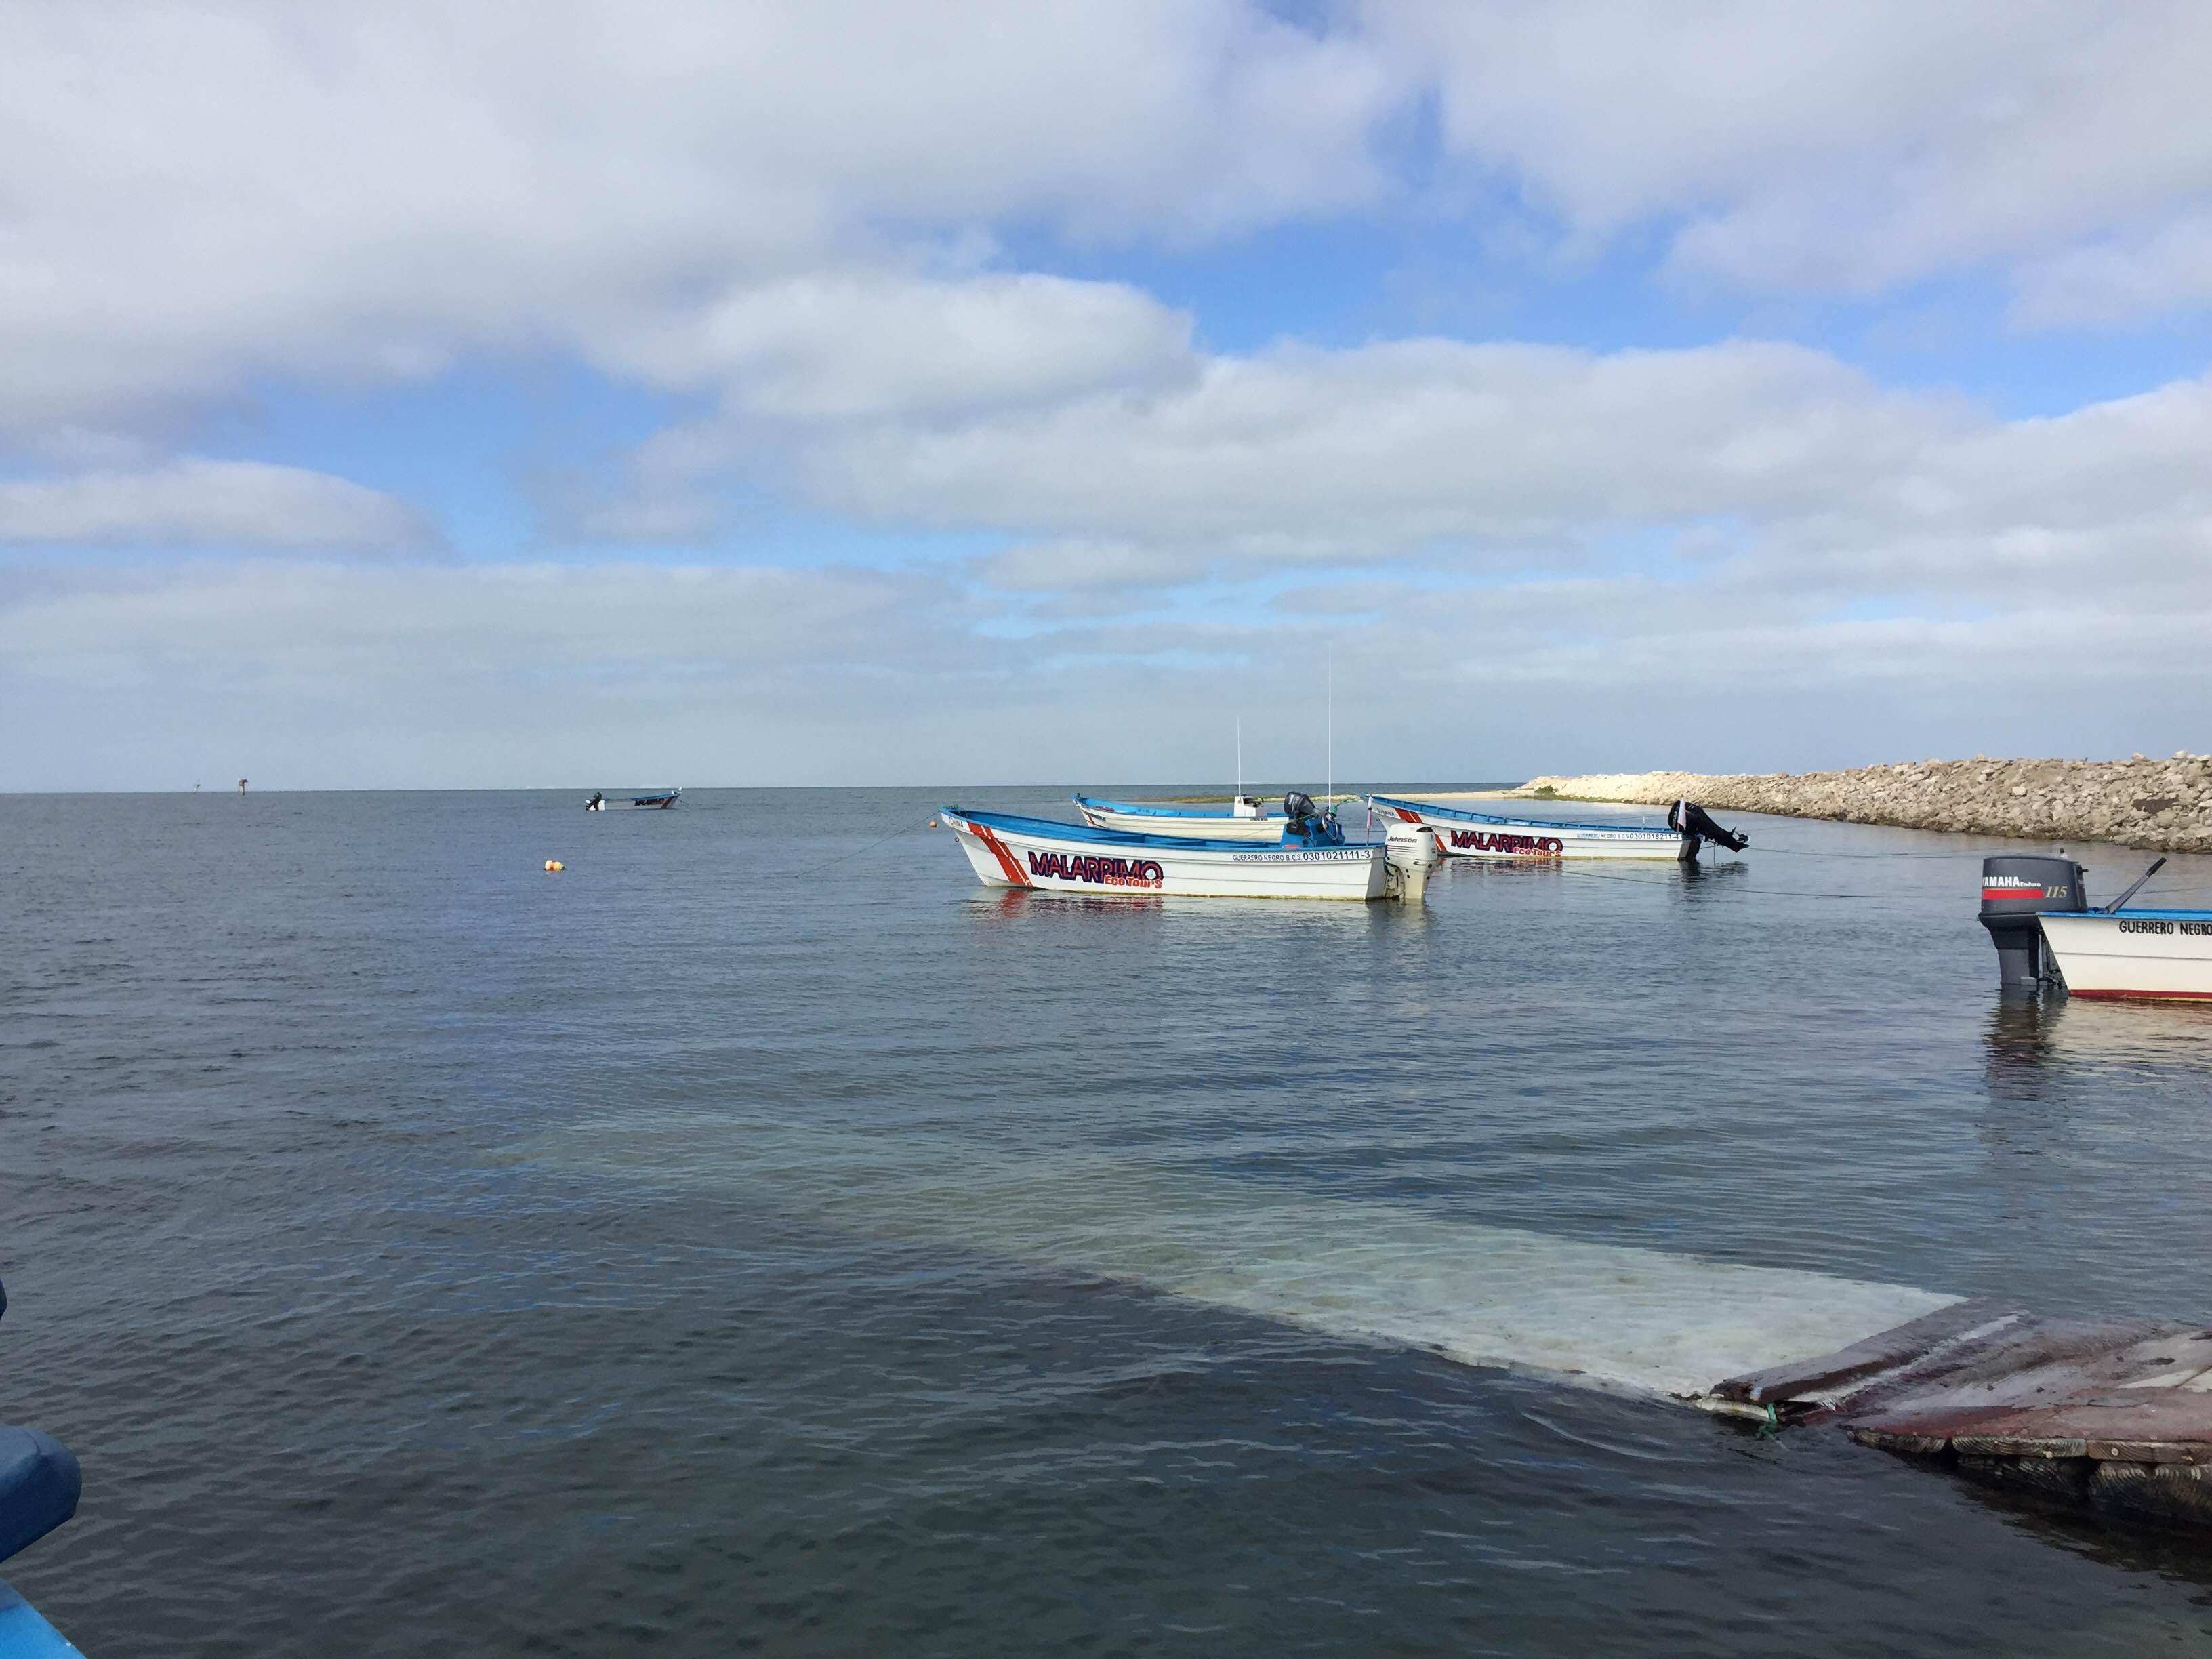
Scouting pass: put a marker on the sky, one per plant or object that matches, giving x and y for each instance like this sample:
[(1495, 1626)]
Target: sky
[(852, 392)]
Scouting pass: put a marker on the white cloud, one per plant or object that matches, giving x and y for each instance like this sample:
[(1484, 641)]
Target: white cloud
[(2166, 269), (200, 195), (308, 674), (242, 505), (854, 346), (1842, 149)]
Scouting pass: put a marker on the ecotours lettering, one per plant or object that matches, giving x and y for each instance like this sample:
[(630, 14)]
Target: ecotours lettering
[(1098, 869)]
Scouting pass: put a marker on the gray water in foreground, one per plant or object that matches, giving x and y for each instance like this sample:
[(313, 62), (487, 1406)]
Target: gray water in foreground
[(760, 1237)]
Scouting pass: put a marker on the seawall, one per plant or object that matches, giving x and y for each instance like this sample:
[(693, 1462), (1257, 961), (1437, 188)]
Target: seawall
[(2164, 805)]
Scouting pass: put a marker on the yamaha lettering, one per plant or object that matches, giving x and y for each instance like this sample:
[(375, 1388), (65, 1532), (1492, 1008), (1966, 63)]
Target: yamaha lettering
[(1098, 870), (1488, 841)]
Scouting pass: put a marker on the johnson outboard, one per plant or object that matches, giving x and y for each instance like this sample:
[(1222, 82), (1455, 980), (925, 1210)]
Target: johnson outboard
[(1688, 819), (1309, 825), (2016, 888)]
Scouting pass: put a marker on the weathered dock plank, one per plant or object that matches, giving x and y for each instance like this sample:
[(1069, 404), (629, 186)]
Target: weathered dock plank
[(2113, 1412)]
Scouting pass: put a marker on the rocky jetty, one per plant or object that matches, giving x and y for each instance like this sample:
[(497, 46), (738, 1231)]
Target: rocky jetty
[(2162, 804)]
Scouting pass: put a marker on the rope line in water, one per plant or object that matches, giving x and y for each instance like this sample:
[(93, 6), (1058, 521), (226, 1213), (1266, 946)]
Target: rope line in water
[(1771, 892)]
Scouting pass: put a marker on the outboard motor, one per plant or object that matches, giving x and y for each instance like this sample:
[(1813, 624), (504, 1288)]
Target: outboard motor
[(1687, 817), (1308, 824), (1410, 852), (2016, 888)]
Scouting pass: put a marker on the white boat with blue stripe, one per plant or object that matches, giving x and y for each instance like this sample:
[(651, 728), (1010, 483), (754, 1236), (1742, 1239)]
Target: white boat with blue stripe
[(1310, 859), (1247, 819), (1467, 834)]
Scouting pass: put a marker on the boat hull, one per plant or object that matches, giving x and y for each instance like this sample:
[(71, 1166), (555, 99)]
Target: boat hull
[(1259, 828), (2160, 956), (1463, 834), (1196, 826), (1099, 863)]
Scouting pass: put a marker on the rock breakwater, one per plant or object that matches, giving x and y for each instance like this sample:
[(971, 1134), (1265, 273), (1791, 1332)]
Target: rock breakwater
[(2164, 805)]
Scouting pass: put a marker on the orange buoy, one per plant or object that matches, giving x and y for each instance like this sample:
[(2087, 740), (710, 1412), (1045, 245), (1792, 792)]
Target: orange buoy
[(554, 866)]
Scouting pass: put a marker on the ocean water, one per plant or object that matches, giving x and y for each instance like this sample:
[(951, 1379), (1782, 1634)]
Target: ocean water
[(760, 1237)]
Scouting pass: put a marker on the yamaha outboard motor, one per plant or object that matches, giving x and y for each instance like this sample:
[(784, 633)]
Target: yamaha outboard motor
[(2016, 888), (1308, 824), (1687, 817)]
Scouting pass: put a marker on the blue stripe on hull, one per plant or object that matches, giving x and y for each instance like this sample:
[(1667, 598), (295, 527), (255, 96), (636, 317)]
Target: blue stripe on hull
[(1462, 816), (1084, 832)]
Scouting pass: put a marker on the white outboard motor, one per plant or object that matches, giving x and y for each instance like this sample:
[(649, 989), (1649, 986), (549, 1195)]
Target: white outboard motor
[(1409, 853), (2016, 888)]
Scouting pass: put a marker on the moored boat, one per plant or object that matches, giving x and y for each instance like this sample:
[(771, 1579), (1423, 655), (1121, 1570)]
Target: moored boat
[(666, 798), (2035, 905), (1463, 834), (1247, 819), (1312, 860), (2158, 956)]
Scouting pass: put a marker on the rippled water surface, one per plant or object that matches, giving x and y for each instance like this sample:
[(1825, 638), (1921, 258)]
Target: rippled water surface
[(761, 1237)]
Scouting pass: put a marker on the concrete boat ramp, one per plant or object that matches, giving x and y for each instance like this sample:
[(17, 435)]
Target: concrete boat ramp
[(2113, 1413)]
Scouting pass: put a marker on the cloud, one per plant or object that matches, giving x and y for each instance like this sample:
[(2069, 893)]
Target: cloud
[(202, 503), (2166, 270), (1846, 150), (823, 348), (201, 196), (304, 673)]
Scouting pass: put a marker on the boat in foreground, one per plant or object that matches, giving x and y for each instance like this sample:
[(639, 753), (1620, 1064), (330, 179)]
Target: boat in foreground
[(39, 1485), (1247, 819), (1463, 834), (1312, 861), (2034, 904)]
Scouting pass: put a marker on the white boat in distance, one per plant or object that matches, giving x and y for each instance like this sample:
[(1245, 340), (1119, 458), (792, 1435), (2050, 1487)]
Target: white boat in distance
[(661, 800), (2160, 956), (1465, 834), (1248, 819), (1007, 851)]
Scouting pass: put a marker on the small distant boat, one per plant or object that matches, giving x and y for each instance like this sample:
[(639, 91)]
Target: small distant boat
[(1310, 860), (1462, 833), (1247, 819), (599, 802)]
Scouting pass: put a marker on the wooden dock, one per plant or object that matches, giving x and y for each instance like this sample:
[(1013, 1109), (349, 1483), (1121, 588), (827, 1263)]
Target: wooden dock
[(2113, 1413)]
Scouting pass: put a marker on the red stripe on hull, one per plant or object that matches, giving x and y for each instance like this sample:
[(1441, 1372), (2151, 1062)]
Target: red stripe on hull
[(2141, 996), (1005, 858)]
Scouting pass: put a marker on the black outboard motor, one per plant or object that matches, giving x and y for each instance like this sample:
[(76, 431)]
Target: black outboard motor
[(2016, 888), (1307, 822), (1687, 817)]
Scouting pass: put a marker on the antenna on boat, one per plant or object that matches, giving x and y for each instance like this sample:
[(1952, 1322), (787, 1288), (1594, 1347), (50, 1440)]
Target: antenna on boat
[(1239, 758), (1331, 785)]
